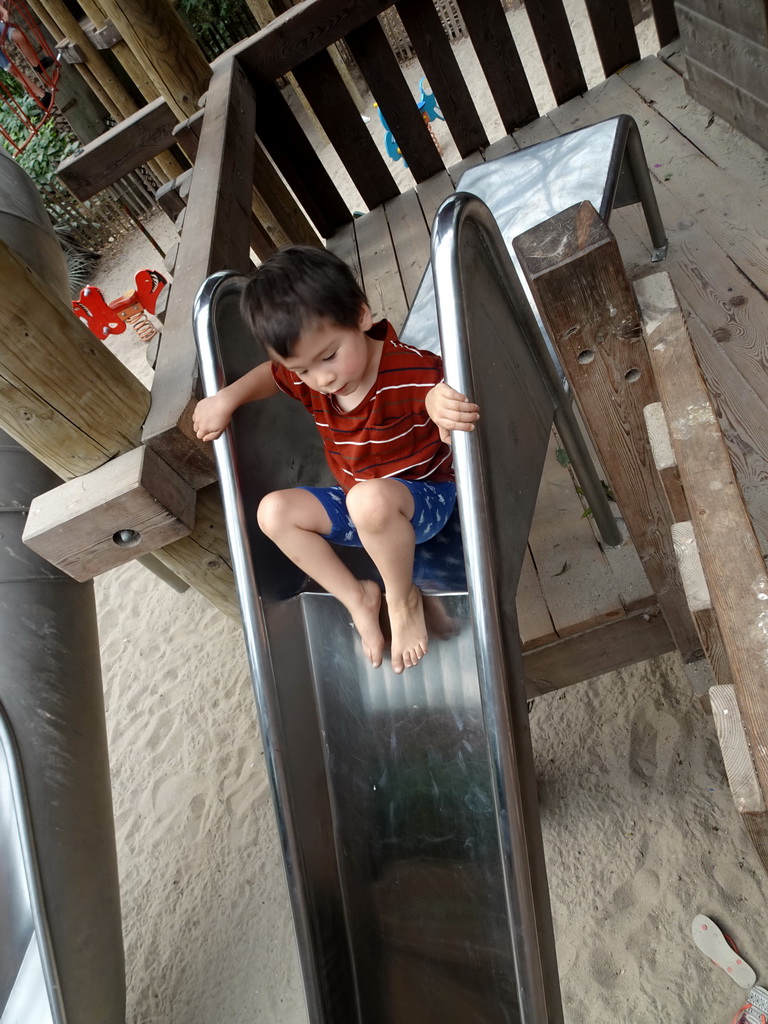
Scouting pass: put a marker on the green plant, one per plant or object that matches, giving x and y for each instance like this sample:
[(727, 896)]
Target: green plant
[(209, 12), (46, 149)]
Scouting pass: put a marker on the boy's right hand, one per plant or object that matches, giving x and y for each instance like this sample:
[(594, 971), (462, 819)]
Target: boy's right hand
[(211, 417)]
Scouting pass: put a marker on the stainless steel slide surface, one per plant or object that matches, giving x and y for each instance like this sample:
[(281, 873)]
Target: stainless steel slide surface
[(406, 804)]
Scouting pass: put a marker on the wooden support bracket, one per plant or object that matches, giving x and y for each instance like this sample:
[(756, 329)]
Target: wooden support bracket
[(125, 508)]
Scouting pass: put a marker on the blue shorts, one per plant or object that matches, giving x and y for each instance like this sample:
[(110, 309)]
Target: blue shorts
[(433, 504)]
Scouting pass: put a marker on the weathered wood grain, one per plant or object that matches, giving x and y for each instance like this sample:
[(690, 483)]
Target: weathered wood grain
[(557, 48), (79, 525), (574, 270), (738, 58), (605, 648), (731, 558), (739, 767), (216, 237), (122, 149), (63, 395), (611, 22)]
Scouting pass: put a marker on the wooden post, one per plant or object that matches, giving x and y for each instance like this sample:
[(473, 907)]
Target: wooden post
[(64, 396), (96, 72), (61, 22), (164, 48), (216, 237), (165, 166), (574, 269), (730, 554)]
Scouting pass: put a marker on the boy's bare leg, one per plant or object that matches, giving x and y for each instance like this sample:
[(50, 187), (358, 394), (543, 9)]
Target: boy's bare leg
[(295, 520), (382, 510)]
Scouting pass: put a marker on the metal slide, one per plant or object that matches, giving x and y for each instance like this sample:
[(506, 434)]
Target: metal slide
[(406, 805)]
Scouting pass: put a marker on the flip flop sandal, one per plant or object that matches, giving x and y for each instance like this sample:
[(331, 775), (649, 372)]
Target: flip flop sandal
[(755, 1010), (714, 944)]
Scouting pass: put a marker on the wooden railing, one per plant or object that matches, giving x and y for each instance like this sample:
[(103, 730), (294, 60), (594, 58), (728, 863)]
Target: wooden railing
[(258, 181)]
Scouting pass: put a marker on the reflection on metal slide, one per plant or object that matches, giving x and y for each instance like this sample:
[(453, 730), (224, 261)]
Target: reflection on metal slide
[(61, 943), (406, 805)]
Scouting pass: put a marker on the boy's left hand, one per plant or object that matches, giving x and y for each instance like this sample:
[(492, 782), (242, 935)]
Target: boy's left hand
[(451, 410)]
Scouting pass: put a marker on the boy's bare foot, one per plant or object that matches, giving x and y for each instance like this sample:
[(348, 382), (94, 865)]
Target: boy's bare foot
[(365, 616), (409, 631)]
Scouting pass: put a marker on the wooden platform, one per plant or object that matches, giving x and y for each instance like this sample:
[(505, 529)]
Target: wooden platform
[(708, 181)]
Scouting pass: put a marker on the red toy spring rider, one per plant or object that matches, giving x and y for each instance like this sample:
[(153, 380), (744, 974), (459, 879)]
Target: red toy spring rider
[(103, 318), (25, 53)]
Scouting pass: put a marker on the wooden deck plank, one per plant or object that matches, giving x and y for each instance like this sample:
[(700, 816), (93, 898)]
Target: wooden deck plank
[(576, 580), (410, 237), (533, 618), (432, 193), (731, 559), (381, 274), (736, 218), (705, 275), (655, 81)]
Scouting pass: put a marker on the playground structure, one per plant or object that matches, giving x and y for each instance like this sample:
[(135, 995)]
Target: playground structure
[(569, 630), (26, 54), (103, 318)]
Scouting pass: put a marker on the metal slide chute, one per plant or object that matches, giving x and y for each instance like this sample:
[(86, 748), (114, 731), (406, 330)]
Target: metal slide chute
[(406, 805)]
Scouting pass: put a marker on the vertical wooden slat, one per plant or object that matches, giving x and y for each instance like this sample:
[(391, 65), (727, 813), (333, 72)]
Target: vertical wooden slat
[(216, 237), (557, 48), (341, 120), (614, 33), (489, 31), (666, 21), (445, 77), (370, 48), (294, 155), (574, 269)]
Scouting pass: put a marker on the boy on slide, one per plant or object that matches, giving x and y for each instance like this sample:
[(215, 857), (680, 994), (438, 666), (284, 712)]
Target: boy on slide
[(385, 417)]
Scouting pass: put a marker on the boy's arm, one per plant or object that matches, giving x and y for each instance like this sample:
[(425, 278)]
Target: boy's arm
[(212, 415), (450, 410)]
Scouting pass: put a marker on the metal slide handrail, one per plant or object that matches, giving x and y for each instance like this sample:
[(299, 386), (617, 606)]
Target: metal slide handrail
[(457, 213), (214, 290), (9, 750)]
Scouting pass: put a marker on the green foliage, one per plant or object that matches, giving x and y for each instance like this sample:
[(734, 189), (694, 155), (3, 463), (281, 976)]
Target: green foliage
[(44, 152), (202, 13)]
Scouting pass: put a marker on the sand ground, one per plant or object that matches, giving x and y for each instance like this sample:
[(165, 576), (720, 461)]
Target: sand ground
[(639, 827)]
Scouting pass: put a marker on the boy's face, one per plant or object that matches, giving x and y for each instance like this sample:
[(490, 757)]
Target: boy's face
[(332, 359)]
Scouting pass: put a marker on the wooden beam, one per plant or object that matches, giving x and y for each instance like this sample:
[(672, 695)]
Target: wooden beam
[(128, 507), (119, 151), (730, 554), (740, 768), (63, 395), (574, 269), (612, 645), (299, 34), (216, 237), (164, 48), (202, 559)]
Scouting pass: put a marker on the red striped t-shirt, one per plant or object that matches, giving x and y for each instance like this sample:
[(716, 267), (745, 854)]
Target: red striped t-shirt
[(389, 433)]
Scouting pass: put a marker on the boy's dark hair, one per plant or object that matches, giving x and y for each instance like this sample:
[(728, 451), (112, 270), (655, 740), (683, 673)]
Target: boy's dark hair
[(295, 287)]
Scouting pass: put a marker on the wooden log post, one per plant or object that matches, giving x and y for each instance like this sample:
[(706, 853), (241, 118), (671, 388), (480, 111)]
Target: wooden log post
[(63, 395), (730, 554), (165, 166), (577, 278), (216, 237), (164, 48)]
